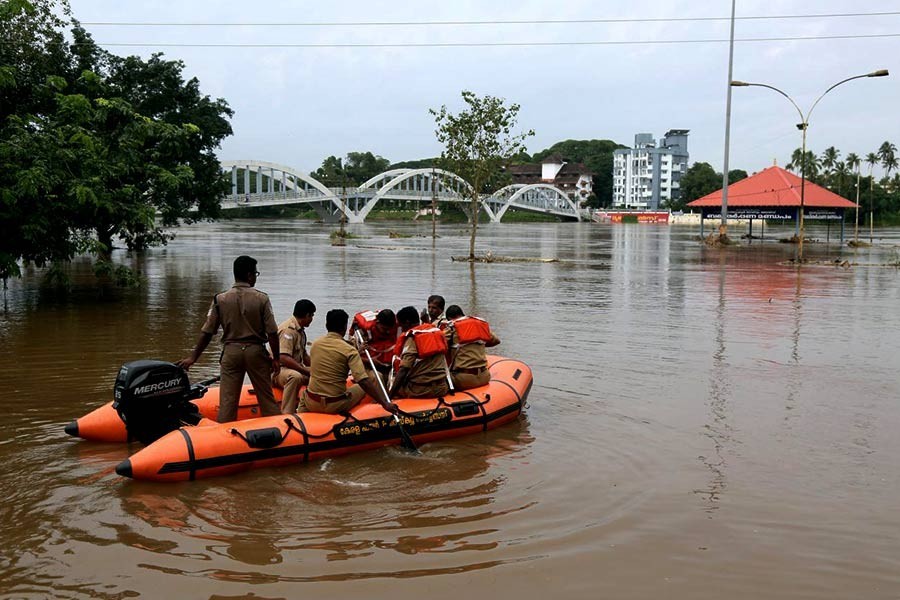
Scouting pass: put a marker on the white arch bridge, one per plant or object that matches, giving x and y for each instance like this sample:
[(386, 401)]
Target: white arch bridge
[(261, 183)]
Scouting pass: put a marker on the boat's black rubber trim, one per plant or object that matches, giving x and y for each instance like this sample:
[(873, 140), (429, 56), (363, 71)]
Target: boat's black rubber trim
[(515, 391), (502, 360), (190, 448), (484, 415), (307, 449), (302, 427)]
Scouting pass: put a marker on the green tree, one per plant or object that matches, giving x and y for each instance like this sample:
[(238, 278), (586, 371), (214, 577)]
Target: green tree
[(829, 161), (356, 169), (331, 173), (808, 165), (422, 163), (699, 180), (100, 146), (597, 155), (888, 157), (839, 176), (735, 175), (477, 142), (362, 166)]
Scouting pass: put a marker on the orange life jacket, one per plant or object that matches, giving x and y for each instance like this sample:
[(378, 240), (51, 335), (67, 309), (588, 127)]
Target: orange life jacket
[(382, 350), (365, 320), (429, 340), (471, 330)]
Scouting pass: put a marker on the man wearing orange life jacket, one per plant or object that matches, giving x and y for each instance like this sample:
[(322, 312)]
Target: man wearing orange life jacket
[(423, 358), (379, 332), (468, 337)]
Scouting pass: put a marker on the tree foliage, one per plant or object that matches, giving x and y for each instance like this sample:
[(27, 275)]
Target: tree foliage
[(699, 180), (478, 142), (354, 171), (95, 146), (597, 155)]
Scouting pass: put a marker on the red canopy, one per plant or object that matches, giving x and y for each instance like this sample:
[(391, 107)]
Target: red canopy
[(774, 187)]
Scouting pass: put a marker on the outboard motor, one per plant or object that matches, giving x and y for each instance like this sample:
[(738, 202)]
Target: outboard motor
[(153, 397)]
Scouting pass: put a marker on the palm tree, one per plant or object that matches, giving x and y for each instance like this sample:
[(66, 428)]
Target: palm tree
[(887, 153), (841, 172), (829, 161), (853, 162), (810, 162), (872, 159)]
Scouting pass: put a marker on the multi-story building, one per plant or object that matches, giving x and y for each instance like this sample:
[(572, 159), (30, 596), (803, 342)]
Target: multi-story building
[(648, 176), (573, 178)]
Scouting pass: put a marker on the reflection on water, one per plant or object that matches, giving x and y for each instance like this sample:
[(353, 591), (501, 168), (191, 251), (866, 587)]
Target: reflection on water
[(703, 424)]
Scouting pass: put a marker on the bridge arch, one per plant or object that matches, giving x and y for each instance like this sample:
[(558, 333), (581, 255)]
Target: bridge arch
[(447, 186), (295, 186), (535, 197)]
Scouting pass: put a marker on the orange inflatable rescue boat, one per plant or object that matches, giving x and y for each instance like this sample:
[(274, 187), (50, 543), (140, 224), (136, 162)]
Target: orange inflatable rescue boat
[(156, 405), (103, 424)]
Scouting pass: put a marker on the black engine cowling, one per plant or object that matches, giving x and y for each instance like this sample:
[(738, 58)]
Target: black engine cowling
[(153, 397)]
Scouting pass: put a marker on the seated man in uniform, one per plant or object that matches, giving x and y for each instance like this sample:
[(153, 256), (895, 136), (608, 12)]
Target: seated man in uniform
[(468, 337), (434, 314), (331, 358), (379, 332), (293, 357), (423, 367)]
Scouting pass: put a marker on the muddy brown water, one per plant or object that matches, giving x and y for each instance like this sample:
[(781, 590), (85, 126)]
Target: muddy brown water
[(704, 424)]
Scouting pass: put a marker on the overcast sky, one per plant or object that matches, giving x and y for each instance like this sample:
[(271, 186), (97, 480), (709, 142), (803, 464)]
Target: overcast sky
[(298, 105)]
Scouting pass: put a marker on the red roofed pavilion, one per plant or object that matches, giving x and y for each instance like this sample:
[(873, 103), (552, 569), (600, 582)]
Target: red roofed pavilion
[(774, 193)]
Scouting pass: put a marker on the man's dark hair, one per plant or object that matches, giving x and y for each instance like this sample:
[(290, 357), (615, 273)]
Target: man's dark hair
[(386, 317), (336, 321), (303, 308), (454, 312), (243, 266), (439, 300), (408, 315)]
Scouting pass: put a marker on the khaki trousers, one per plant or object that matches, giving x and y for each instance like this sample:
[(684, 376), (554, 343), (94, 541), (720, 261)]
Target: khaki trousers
[(411, 389), (467, 381), (237, 360), (290, 381), (355, 394)]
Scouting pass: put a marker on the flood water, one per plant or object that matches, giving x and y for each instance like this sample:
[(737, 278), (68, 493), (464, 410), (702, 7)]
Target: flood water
[(704, 423)]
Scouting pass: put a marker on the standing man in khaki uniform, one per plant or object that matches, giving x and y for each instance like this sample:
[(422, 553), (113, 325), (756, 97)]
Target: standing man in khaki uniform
[(332, 357), (293, 357), (468, 337), (420, 376), (245, 315)]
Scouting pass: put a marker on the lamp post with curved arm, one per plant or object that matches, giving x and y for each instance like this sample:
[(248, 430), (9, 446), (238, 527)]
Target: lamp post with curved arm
[(802, 126)]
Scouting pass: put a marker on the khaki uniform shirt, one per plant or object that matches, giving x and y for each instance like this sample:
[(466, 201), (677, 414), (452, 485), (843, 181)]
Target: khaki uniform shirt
[(331, 357), (425, 371), (244, 313), (292, 340), (470, 356)]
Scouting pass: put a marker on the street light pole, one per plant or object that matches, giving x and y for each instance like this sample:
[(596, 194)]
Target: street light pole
[(723, 226), (803, 125)]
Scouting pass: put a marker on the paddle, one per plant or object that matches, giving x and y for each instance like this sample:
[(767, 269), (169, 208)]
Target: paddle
[(405, 440)]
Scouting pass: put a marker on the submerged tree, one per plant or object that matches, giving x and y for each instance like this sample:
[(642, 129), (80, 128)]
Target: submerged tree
[(478, 142), (95, 146)]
